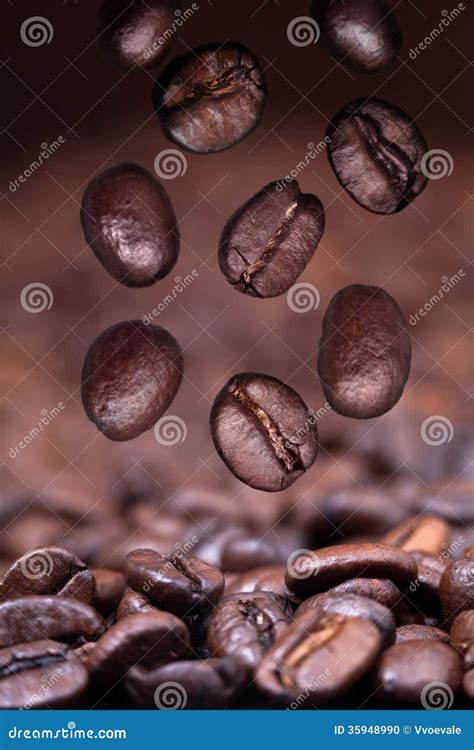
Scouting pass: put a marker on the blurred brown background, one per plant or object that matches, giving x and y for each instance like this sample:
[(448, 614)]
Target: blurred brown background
[(66, 89)]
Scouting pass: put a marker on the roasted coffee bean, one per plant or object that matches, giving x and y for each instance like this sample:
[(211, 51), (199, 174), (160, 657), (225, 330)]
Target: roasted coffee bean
[(469, 553), (420, 633), (198, 684), (133, 603), (405, 671), (247, 625), (182, 585), (33, 618), (247, 551), (363, 34), (40, 674), (267, 578), (354, 510), (456, 588), (135, 32), (263, 431), (211, 98), (462, 630), (130, 224), (149, 639), (382, 590), (109, 589), (318, 658), (426, 534), (364, 352), (48, 570), (468, 684), (376, 153), (314, 572), (430, 570), (131, 375), (268, 242), (351, 605)]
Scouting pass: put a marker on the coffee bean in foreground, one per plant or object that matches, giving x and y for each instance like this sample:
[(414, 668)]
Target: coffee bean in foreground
[(376, 152), (263, 431), (268, 241), (364, 352), (135, 32), (363, 35), (130, 224), (130, 376), (210, 98)]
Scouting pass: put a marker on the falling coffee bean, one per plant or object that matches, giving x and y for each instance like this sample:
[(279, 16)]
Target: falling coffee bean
[(364, 352), (361, 34), (130, 224), (376, 152), (211, 98), (135, 32), (268, 241), (263, 431), (131, 375)]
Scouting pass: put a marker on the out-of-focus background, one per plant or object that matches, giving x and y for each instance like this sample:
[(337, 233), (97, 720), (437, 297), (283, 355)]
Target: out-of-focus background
[(64, 97)]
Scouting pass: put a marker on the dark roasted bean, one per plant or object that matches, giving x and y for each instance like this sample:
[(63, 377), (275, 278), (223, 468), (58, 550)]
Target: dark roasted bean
[(130, 224), (376, 152), (462, 630), (381, 590), (133, 603), (109, 589), (420, 633), (210, 98), (364, 352), (263, 431), (268, 242), (363, 34), (267, 578), (426, 534), (318, 658), (182, 585), (131, 375), (456, 588)]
